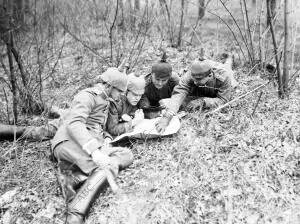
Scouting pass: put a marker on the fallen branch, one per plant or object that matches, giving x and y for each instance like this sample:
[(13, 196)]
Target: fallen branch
[(236, 99), (257, 102)]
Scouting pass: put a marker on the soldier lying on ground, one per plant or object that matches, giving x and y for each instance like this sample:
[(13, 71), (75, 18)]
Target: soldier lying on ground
[(206, 85), (159, 85), (79, 144), (123, 116), (35, 133)]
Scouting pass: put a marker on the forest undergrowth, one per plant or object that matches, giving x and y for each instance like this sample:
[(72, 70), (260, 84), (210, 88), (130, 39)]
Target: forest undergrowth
[(238, 165)]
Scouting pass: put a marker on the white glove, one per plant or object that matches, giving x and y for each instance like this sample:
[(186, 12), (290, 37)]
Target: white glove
[(138, 117)]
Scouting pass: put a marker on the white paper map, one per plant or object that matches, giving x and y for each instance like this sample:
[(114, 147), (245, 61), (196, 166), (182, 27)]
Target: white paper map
[(146, 129)]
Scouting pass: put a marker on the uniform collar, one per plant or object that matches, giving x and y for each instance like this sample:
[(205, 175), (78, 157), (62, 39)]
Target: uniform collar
[(103, 94)]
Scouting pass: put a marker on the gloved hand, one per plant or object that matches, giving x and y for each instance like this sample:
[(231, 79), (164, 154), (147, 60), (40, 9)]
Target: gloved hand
[(165, 103), (106, 143), (195, 105), (104, 161), (138, 117), (126, 117), (162, 124)]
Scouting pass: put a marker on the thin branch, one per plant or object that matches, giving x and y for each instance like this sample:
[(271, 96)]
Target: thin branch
[(257, 102), (84, 44), (280, 87), (249, 32), (111, 32), (233, 33), (234, 20), (7, 108), (236, 99)]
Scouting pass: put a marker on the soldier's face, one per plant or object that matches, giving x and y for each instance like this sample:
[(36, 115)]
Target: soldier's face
[(116, 94), (201, 79), (159, 82), (133, 98)]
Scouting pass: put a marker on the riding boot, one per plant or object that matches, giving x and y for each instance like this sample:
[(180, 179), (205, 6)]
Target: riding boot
[(41, 133), (85, 196), (69, 178), (69, 181), (10, 132)]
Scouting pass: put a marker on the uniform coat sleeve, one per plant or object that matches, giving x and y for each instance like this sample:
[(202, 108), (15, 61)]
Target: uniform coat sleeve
[(180, 92), (114, 127), (224, 90), (81, 107)]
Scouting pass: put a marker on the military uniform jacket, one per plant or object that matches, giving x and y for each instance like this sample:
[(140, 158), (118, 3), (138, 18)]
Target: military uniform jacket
[(115, 125), (216, 91), (152, 95), (85, 119)]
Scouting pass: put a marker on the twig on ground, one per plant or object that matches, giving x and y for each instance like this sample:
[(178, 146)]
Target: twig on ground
[(236, 99), (254, 109)]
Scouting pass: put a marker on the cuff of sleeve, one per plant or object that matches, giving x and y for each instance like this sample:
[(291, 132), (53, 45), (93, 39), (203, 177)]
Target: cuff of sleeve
[(91, 146), (168, 113), (107, 135)]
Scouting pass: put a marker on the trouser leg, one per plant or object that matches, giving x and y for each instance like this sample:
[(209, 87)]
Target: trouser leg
[(72, 153), (42, 133), (10, 132)]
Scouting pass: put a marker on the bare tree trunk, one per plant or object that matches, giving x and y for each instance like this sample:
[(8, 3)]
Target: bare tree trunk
[(19, 11), (131, 16), (9, 45), (271, 6), (181, 24), (137, 5), (249, 31), (285, 75), (111, 32), (164, 4), (279, 77), (13, 81), (121, 18), (201, 9)]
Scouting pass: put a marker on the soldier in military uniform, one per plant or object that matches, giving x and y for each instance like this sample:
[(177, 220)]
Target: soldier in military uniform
[(80, 144), (123, 116), (206, 85), (159, 85)]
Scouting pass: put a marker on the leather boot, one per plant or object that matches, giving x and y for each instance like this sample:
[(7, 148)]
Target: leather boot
[(68, 181), (10, 132), (85, 196), (41, 133)]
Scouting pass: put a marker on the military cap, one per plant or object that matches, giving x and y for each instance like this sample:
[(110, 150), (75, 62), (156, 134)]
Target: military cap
[(115, 78), (162, 69), (200, 68), (136, 84)]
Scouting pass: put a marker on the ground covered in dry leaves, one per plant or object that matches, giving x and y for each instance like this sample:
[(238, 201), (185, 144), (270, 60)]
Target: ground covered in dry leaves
[(233, 166)]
